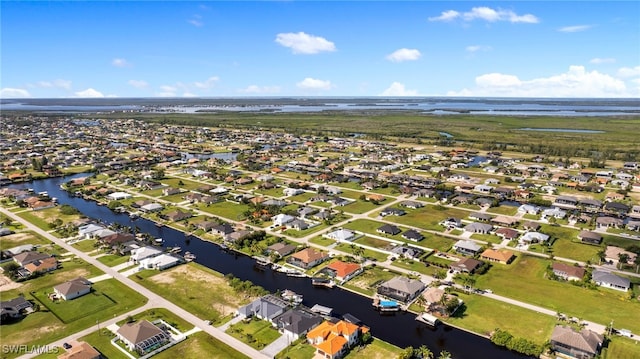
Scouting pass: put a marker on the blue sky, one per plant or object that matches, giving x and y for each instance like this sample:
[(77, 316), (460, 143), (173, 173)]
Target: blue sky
[(324, 48)]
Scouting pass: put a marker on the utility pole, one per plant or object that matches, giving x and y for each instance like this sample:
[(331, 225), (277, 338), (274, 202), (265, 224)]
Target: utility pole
[(611, 327)]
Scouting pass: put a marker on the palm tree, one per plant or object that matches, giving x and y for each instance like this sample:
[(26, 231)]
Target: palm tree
[(424, 352), (445, 355)]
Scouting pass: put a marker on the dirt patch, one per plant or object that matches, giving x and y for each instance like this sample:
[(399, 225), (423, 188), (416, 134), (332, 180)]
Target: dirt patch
[(186, 273), (7, 284), (17, 237)]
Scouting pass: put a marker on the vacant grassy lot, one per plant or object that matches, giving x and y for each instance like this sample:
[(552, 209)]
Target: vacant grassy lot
[(372, 242), (428, 217), (367, 281), (483, 315), (195, 288), (256, 333), (622, 348), (201, 345), (300, 349), (322, 241), (360, 206), (377, 349), (504, 210), (230, 210), (524, 280), (368, 253), (85, 245), (70, 310)]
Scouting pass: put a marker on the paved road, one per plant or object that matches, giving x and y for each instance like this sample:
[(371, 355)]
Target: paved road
[(154, 300)]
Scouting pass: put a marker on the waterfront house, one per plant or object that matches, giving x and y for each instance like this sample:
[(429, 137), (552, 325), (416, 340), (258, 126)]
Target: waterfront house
[(343, 271), (401, 288), (142, 337), (500, 256), (584, 344), (610, 280), (307, 258), (72, 289), (281, 249), (294, 323), (141, 253), (266, 307), (160, 262), (332, 340)]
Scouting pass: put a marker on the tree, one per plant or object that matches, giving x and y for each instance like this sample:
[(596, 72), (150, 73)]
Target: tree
[(444, 355), (406, 353), (623, 258), (424, 352)]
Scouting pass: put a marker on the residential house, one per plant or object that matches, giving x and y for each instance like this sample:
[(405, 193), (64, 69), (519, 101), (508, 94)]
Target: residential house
[(24, 258), (282, 219), (341, 235), (80, 350), (480, 216), (401, 288), (161, 262), (388, 229), (14, 308), (266, 307), (41, 266), (390, 211), (151, 207), (466, 265), (531, 226), (566, 202), (298, 224), (408, 252), (590, 237), (412, 235), (332, 340), (504, 221), (567, 272), (282, 249), (610, 280), (584, 344), (307, 258), (222, 229), (616, 208), (467, 247), (142, 337), (500, 256), (295, 322), (475, 227), (411, 204), (452, 223), (533, 237), (72, 289), (612, 255), (141, 253), (554, 212), (343, 271), (507, 233), (177, 215), (609, 222)]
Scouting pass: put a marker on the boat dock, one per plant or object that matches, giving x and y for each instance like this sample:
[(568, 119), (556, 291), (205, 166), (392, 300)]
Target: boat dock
[(428, 319), (321, 309)]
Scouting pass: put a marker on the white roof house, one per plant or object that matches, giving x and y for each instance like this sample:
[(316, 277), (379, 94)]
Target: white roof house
[(152, 207), (341, 235), (116, 196), (89, 230), (281, 219), (532, 237), (141, 253), (160, 262)]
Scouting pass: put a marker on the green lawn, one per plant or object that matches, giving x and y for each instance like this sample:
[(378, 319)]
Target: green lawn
[(300, 349), (368, 253), (186, 184), (113, 259), (574, 249), (71, 310), (195, 288), (415, 266), (322, 241), (367, 281), (201, 345), (164, 314), (372, 242), (303, 197), (257, 333), (491, 238), (299, 234), (429, 216), (230, 210), (101, 340), (504, 210), (377, 349), (359, 207), (622, 348), (86, 245), (523, 280), (43, 327), (434, 241), (482, 315)]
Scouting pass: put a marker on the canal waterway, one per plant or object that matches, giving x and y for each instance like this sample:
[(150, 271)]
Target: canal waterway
[(400, 329)]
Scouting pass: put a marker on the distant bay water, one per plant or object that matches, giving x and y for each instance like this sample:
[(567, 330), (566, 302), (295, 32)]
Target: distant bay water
[(426, 105)]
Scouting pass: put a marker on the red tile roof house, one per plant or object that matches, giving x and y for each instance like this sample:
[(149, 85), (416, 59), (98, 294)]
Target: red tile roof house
[(307, 258), (343, 271), (333, 340), (142, 337)]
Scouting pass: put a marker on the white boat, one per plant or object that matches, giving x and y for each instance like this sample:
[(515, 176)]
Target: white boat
[(188, 256), (321, 309), (292, 296), (428, 319), (175, 250)]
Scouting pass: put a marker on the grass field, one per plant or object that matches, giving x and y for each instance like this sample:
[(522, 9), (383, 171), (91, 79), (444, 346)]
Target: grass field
[(428, 217), (21, 238), (377, 349), (368, 253), (483, 315), (622, 348), (367, 281), (197, 289), (71, 310), (230, 210), (300, 349), (201, 345), (524, 280), (256, 333)]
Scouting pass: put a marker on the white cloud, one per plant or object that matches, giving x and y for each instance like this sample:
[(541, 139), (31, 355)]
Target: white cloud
[(195, 22), (486, 14), (576, 82), (208, 83), (600, 60), (476, 48), (403, 54), (120, 63), (138, 83), (90, 92), (314, 84), (59, 83), (9, 92), (629, 71), (575, 28), (255, 89), (446, 16), (398, 89), (301, 43)]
